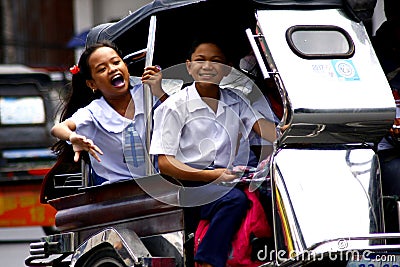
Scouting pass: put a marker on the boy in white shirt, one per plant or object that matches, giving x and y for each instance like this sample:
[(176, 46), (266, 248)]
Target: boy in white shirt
[(196, 134)]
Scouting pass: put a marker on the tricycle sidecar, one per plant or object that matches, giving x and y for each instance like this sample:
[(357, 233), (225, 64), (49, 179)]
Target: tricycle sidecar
[(318, 72)]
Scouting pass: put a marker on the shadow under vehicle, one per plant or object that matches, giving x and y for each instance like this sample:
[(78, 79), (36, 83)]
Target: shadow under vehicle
[(319, 73)]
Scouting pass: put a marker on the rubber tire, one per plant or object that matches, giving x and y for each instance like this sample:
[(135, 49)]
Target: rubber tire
[(103, 257)]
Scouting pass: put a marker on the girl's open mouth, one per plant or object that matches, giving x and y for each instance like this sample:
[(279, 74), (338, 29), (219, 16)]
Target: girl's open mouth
[(118, 81)]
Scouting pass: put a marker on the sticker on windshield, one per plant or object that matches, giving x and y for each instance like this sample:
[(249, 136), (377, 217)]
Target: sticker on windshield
[(345, 70)]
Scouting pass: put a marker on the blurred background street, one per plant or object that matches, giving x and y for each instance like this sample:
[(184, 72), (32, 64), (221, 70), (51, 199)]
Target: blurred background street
[(14, 244)]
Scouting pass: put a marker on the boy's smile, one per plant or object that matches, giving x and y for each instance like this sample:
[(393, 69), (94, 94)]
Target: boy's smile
[(207, 64)]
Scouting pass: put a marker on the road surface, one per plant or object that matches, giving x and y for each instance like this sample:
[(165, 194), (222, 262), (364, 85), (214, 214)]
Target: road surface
[(14, 244)]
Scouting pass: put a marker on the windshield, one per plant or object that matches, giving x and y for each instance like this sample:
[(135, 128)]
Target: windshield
[(320, 42)]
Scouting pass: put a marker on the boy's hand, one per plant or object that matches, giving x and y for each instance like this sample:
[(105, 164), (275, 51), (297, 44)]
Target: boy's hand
[(224, 175)]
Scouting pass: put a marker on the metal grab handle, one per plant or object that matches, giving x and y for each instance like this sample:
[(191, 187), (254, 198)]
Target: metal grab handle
[(257, 53), (266, 73), (148, 97)]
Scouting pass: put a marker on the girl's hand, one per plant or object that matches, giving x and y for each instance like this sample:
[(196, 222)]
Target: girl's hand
[(81, 143), (152, 76)]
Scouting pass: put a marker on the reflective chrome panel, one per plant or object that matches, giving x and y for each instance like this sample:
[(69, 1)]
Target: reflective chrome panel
[(125, 243), (338, 99), (323, 194)]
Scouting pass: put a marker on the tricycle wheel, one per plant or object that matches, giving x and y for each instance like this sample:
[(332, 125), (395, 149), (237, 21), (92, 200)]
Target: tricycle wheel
[(103, 257)]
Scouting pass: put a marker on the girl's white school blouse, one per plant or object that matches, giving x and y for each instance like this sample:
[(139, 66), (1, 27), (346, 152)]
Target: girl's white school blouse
[(101, 123)]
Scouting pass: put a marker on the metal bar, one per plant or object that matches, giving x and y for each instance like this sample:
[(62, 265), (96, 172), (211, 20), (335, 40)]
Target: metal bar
[(148, 98), (257, 53), (85, 173)]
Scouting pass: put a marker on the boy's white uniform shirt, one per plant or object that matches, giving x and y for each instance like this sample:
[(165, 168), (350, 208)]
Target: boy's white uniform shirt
[(187, 128), (100, 122)]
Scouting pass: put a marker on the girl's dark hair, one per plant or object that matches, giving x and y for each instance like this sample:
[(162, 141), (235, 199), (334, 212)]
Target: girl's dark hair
[(79, 94)]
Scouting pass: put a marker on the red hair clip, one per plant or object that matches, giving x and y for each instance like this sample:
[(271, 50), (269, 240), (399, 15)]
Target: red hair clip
[(74, 69)]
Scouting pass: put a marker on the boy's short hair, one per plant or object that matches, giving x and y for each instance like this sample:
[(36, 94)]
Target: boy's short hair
[(213, 39)]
